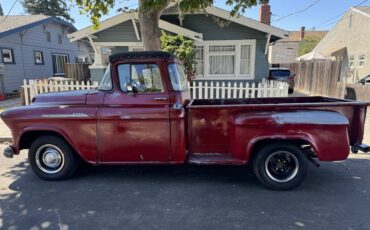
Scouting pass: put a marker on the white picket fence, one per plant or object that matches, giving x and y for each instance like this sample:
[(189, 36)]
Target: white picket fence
[(199, 90), (217, 90), (31, 88)]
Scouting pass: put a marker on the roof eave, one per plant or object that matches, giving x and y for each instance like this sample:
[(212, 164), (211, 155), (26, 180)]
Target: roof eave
[(33, 24)]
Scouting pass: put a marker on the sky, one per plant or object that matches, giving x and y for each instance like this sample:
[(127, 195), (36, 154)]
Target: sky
[(286, 14)]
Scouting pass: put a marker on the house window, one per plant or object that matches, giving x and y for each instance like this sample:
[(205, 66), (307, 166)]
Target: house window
[(226, 59), (361, 60), (48, 36), (39, 58), (59, 38), (7, 56), (199, 58), (245, 60), (58, 63), (352, 61), (221, 60), (81, 59)]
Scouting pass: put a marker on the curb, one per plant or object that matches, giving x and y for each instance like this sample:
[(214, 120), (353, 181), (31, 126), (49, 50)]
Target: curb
[(4, 140)]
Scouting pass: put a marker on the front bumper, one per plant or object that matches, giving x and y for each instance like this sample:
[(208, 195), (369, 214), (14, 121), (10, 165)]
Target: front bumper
[(9, 152)]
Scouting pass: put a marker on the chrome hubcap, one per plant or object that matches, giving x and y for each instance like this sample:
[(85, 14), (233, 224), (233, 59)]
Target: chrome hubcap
[(281, 166), (50, 159)]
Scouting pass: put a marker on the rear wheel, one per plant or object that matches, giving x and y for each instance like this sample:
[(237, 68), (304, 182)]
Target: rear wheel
[(51, 158), (280, 166)]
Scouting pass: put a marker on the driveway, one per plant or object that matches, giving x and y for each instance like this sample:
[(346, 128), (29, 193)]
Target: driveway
[(334, 196)]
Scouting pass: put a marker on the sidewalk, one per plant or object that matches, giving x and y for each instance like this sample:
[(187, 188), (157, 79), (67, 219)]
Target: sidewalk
[(5, 134)]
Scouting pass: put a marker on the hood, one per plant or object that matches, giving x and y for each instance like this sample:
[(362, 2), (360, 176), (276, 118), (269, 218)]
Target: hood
[(67, 97)]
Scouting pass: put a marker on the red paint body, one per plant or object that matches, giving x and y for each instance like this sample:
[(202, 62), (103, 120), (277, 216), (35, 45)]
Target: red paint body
[(119, 128)]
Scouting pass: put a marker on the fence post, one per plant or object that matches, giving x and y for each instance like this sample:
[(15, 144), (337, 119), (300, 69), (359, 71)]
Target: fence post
[(217, 90), (235, 90), (223, 90), (253, 90), (25, 92), (241, 89), (206, 90), (194, 87), (228, 90), (212, 89), (200, 90)]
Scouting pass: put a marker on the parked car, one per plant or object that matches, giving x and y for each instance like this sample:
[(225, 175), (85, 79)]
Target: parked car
[(364, 81), (142, 114), (282, 74)]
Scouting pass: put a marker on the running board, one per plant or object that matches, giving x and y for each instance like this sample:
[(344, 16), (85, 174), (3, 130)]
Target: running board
[(213, 159)]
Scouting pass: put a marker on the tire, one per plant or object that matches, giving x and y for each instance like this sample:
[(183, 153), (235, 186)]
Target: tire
[(290, 91), (51, 158), (280, 166)]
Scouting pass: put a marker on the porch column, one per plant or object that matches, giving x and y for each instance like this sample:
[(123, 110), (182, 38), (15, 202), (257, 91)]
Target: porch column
[(97, 69)]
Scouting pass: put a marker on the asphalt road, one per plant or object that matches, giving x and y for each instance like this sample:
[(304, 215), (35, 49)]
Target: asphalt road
[(334, 196)]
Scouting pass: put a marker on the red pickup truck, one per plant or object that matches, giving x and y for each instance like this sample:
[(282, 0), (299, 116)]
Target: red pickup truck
[(142, 114)]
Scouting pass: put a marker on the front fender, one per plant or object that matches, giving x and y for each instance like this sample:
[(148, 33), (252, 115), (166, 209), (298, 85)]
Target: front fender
[(76, 124), (87, 154), (325, 131)]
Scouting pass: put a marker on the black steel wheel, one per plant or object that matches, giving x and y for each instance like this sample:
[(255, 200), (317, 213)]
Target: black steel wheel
[(280, 166)]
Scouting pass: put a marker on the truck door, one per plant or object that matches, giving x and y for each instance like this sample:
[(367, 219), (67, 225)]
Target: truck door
[(133, 123)]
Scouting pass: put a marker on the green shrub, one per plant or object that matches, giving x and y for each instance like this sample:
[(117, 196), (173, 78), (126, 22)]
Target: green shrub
[(183, 48)]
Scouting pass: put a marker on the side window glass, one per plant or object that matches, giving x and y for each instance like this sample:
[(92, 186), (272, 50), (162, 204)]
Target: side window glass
[(146, 78), (124, 76)]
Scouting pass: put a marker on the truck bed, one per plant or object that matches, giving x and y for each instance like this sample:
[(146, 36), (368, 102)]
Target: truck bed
[(280, 101), (209, 120)]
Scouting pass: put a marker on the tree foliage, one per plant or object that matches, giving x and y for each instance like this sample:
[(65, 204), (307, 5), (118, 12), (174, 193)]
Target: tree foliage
[(183, 48), (55, 8), (308, 44), (1, 11)]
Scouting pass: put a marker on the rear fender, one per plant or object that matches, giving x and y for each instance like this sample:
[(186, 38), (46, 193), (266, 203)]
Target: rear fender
[(325, 131)]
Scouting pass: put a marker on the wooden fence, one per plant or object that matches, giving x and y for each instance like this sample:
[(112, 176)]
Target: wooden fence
[(77, 72), (358, 92), (318, 78), (217, 90), (324, 78), (31, 88)]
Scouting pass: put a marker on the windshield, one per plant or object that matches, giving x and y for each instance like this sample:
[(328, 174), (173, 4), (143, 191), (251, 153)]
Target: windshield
[(280, 73), (106, 83), (178, 78)]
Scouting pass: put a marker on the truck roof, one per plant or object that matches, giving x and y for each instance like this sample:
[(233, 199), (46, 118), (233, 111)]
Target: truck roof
[(140, 54)]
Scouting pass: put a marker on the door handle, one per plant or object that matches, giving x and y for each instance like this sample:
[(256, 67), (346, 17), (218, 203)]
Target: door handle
[(160, 98)]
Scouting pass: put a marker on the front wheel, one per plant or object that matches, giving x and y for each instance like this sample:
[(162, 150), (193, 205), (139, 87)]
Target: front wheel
[(51, 158), (280, 166)]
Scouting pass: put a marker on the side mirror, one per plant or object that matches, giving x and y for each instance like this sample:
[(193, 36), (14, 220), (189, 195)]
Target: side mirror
[(131, 89)]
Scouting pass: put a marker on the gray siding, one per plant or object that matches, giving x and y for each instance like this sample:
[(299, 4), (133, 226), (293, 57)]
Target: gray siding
[(211, 30), (351, 35), (123, 32), (32, 40)]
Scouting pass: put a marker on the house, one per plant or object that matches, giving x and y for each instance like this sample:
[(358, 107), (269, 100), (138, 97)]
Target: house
[(36, 46), (228, 48), (286, 50), (349, 42)]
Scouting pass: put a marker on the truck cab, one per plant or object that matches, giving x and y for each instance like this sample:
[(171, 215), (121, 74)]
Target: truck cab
[(143, 105)]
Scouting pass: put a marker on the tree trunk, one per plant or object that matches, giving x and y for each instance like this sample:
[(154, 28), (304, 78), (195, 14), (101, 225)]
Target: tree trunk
[(149, 26)]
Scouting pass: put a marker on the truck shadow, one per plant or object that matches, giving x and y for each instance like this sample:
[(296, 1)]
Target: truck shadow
[(182, 197)]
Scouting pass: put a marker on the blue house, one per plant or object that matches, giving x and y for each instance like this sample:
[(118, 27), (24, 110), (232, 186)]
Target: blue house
[(228, 48), (36, 46)]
